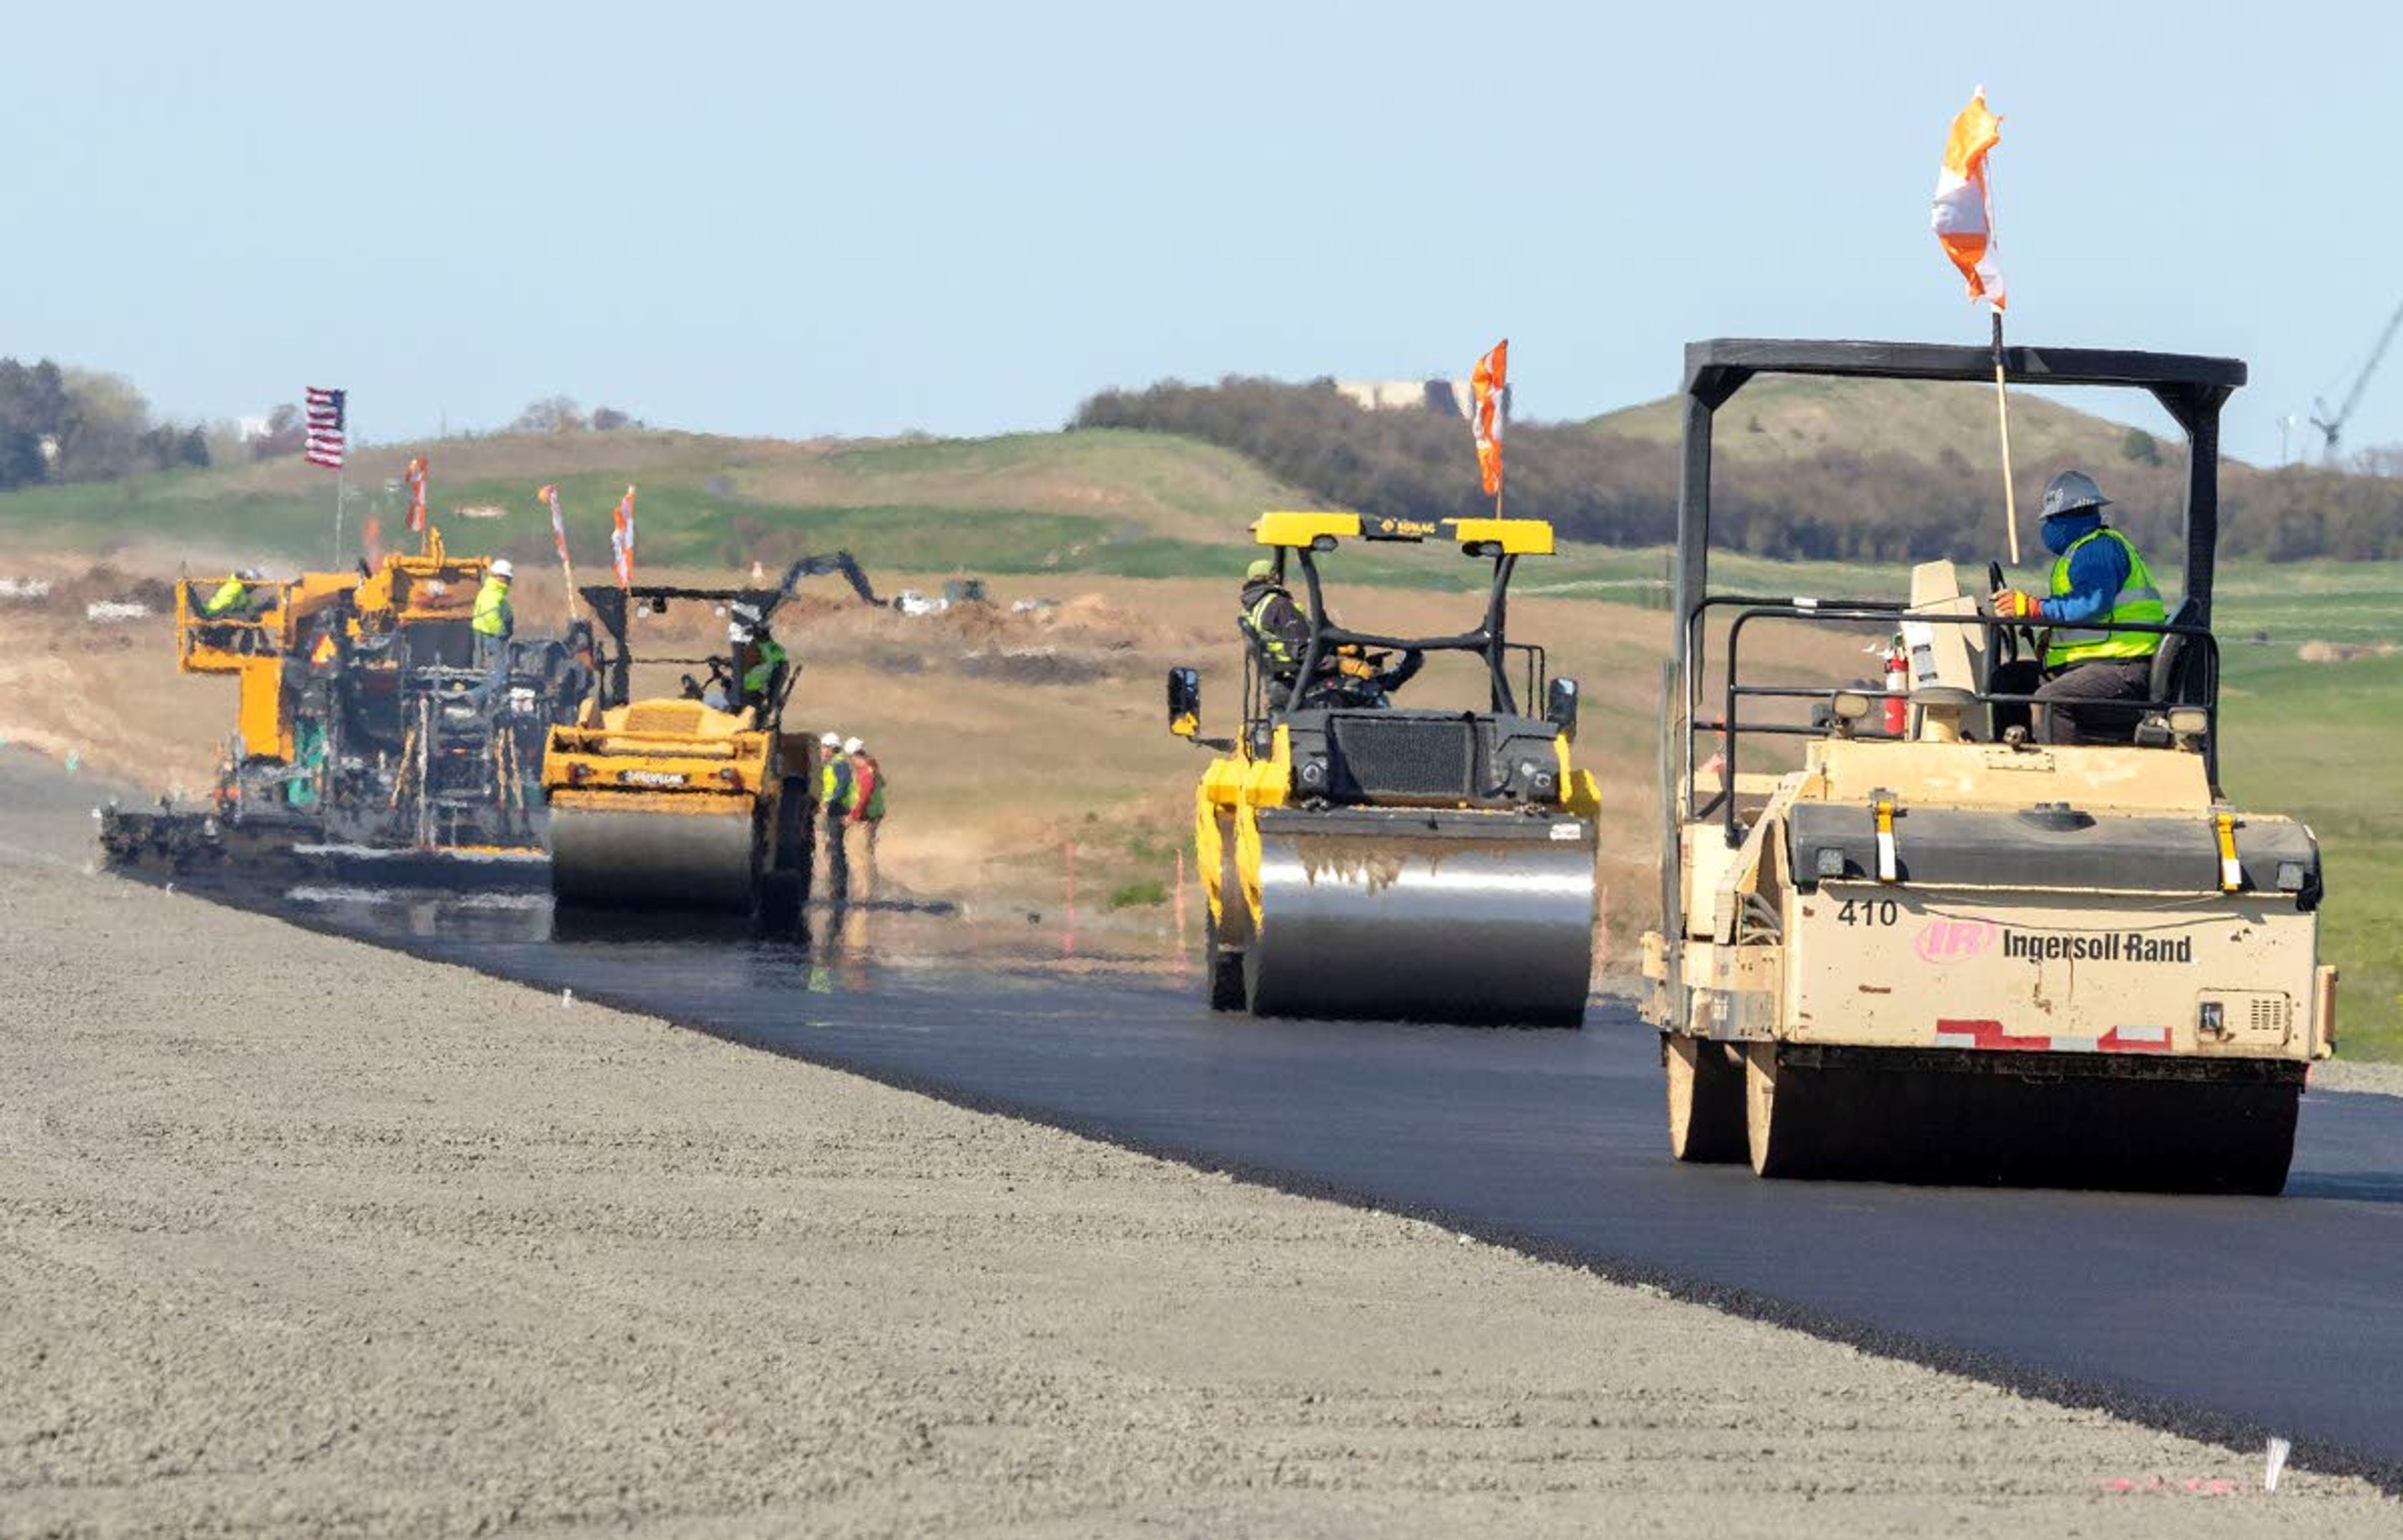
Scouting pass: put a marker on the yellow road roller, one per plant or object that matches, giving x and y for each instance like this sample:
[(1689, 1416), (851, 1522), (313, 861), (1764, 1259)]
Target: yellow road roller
[(1366, 859), (1918, 933), (696, 800)]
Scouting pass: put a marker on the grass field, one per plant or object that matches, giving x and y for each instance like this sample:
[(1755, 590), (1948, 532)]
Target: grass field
[(1109, 502)]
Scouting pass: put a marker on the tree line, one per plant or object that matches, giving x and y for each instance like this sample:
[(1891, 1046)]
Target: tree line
[(1836, 503), (69, 425)]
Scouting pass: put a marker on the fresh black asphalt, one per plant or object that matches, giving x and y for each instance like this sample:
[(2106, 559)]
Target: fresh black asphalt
[(2229, 1318)]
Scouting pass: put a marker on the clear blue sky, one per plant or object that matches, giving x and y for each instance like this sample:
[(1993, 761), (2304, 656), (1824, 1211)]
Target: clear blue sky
[(803, 218)]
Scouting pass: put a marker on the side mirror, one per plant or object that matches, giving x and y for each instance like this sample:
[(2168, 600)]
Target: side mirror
[(1560, 707), (1185, 701)]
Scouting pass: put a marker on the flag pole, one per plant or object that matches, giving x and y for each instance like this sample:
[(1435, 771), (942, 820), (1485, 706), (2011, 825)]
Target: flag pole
[(338, 518), (2003, 419)]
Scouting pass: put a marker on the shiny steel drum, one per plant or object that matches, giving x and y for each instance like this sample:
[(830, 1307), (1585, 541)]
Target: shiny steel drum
[(688, 861), (1423, 916)]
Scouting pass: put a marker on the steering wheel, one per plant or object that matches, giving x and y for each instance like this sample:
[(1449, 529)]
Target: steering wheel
[(2003, 639)]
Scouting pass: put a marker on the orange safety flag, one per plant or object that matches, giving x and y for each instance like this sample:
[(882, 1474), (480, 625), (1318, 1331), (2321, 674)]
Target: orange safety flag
[(415, 476), (1487, 383), (558, 521), (1964, 213), (621, 540), (325, 651), (371, 538)]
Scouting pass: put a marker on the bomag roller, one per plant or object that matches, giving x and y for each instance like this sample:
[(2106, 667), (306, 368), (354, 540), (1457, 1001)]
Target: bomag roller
[(1364, 860), (698, 801), (1925, 946)]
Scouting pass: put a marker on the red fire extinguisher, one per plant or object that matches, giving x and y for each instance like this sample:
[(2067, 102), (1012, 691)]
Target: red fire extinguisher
[(1897, 684)]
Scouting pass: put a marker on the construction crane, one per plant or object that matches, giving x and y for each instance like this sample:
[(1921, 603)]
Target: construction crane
[(2331, 423)]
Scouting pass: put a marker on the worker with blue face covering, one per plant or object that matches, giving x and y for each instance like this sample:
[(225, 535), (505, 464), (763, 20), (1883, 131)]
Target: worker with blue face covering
[(2099, 578)]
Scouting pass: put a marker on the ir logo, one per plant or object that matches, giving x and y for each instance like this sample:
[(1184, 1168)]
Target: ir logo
[(1952, 940)]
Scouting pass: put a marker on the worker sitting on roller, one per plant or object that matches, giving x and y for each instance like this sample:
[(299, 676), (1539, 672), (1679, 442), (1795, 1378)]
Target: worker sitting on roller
[(1345, 676), (2098, 576), (1272, 622), (493, 619), (767, 669)]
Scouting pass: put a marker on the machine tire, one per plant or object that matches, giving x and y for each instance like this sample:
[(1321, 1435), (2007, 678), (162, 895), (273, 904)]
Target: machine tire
[(1225, 967), (1706, 1099), (785, 886), (1771, 1149)]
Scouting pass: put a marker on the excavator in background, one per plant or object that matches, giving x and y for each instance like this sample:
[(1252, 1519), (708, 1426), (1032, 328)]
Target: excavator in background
[(371, 739), (1927, 948), (1361, 859), (698, 801)]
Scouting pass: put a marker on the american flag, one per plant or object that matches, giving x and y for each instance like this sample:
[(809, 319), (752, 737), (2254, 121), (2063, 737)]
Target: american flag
[(326, 413)]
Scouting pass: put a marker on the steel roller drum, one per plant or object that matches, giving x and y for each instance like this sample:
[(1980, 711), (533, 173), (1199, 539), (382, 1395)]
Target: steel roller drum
[(1423, 916), (690, 861)]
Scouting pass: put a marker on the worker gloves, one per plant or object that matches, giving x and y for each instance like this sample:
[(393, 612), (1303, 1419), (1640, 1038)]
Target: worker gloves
[(2011, 604)]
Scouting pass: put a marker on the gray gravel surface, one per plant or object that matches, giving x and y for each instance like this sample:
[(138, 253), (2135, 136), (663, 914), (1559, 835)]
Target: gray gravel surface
[(298, 1237)]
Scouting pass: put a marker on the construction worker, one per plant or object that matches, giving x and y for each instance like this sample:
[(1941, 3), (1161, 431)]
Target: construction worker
[(867, 799), (835, 800), (768, 660), (1272, 621), (493, 619), (2098, 575), (234, 600), (234, 605)]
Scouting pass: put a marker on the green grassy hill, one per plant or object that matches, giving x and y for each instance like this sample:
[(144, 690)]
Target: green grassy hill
[(1134, 503), (1793, 417)]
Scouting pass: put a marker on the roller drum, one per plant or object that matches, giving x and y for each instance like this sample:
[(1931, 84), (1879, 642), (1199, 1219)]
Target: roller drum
[(1470, 918), (705, 862)]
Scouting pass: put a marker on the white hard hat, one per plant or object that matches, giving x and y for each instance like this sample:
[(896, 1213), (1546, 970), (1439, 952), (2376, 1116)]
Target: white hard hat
[(851, 746), (830, 741), (501, 568), (250, 575)]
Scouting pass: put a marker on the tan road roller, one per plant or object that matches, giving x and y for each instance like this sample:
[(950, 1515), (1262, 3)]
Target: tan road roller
[(1363, 859), (698, 801), (1935, 946)]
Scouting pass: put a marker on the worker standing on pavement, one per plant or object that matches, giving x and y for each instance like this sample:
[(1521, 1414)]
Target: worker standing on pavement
[(2099, 578), (867, 802), (494, 619), (835, 801)]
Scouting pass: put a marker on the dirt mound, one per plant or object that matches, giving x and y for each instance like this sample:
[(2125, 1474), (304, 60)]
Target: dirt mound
[(2343, 652)]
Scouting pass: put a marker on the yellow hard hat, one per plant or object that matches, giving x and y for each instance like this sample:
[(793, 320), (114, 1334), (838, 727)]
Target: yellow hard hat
[(1261, 568)]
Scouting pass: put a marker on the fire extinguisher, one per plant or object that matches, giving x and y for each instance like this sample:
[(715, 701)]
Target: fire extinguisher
[(1897, 684)]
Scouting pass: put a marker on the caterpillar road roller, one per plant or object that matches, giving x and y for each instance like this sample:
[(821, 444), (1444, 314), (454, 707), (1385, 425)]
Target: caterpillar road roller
[(698, 801), (1363, 859), (1940, 944)]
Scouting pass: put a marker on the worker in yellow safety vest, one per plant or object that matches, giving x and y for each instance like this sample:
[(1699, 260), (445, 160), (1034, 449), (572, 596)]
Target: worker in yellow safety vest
[(234, 600), (835, 795), (493, 619), (2089, 673), (768, 656)]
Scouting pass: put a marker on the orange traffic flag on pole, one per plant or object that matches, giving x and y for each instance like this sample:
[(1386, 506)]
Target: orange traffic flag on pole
[(415, 476), (1962, 217), (621, 539), (1964, 212), (1486, 384), (549, 495)]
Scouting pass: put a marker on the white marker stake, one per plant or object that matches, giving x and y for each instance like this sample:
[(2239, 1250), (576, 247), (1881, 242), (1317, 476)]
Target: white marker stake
[(2279, 1449)]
